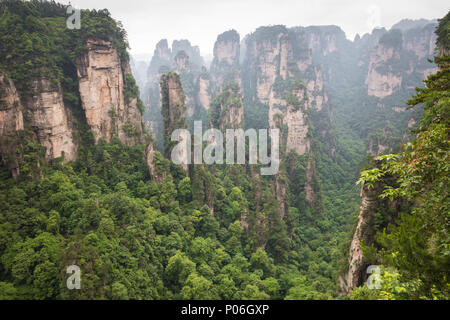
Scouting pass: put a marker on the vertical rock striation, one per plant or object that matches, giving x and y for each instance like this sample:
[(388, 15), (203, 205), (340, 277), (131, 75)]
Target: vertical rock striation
[(173, 110), (225, 66), (102, 85)]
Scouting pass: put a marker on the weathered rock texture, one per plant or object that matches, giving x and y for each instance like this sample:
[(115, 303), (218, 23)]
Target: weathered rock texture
[(181, 62), (184, 59), (280, 73), (228, 112), (102, 82), (225, 65), (204, 94), (398, 55), (381, 84), (356, 265), (11, 121), (173, 110), (52, 121), (47, 120), (41, 114), (150, 155)]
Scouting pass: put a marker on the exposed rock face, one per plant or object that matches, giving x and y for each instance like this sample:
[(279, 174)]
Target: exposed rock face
[(47, 118), (11, 120), (193, 52), (203, 94), (270, 56), (102, 79), (173, 111), (150, 153), (162, 56), (397, 55), (382, 84), (225, 65), (356, 270), (228, 112), (282, 66), (181, 62), (324, 40), (184, 59), (421, 41), (279, 69), (52, 121)]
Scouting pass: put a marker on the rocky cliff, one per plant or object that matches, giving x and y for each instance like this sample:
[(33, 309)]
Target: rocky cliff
[(184, 59), (280, 73), (225, 66), (103, 81), (356, 274), (227, 109), (109, 100), (173, 110), (11, 121), (44, 117)]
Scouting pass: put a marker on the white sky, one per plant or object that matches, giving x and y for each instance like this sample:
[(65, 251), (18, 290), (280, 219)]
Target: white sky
[(201, 21)]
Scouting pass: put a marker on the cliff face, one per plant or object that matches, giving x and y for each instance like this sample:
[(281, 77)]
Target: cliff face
[(102, 83), (181, 62), (399, 55), (356, 265), (225, 65), (287, 80), (280, 72), (421, 41), (161, 57), (228, 109), (108, 97), (52, 121), (173, 110), (184, 59), (11, 121), (381, 84), (47, 119), (203, 94)]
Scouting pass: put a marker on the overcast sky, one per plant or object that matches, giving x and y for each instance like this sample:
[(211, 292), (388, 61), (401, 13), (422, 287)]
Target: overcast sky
[(200, 21)]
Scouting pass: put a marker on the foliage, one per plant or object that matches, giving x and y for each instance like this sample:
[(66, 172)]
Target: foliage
[(417, 244)]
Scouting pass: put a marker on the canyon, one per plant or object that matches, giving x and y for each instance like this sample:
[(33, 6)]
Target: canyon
[(334, 102)]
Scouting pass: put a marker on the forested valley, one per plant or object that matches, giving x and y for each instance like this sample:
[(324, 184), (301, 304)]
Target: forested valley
[(86, 176)]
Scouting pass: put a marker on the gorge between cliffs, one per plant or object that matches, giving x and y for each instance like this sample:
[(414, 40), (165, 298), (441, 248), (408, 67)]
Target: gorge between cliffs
[(87, 176)]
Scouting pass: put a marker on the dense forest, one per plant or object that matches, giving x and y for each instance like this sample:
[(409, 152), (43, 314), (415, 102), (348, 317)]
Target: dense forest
[(182, 236)]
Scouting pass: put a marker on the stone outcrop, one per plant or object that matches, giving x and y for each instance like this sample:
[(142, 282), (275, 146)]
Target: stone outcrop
[(280, 70), (193, 52), (225, 65), (47, 121), (51, 121), (355, 274), (203, 94), (228, 112), (381, 84), (108, 98), (181, 62), (173, 110), (102, 85), (158, 177), (398, 55), (162, 56), (11, 121)]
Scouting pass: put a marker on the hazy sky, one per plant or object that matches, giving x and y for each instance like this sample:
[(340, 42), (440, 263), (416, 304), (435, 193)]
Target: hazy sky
[(200, 21)]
